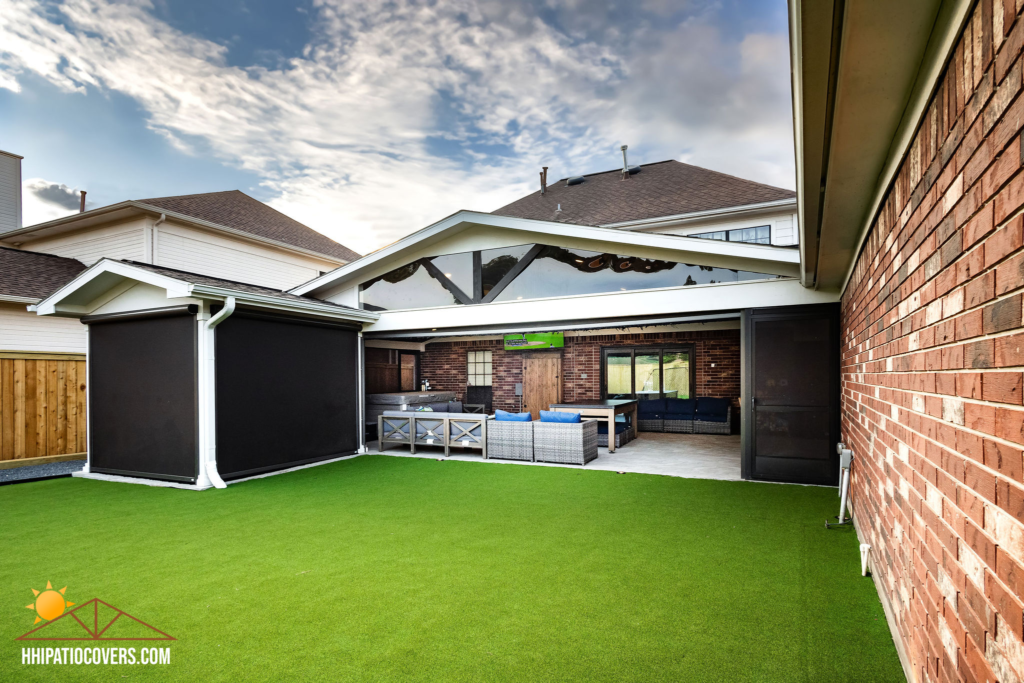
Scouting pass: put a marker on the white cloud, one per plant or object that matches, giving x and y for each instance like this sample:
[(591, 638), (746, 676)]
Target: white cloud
[(43, 200), (346, 135)]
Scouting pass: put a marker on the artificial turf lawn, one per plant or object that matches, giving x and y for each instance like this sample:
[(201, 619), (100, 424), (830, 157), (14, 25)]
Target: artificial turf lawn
[(386, 568)]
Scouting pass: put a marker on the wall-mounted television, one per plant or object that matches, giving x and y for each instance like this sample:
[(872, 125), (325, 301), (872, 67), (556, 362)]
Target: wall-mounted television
[(531, 341)]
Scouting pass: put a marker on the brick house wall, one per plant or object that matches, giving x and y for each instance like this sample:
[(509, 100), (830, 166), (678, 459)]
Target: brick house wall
[(444, 364), (932, 354)]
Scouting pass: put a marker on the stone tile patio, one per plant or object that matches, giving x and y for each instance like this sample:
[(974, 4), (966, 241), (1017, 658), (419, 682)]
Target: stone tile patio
[(695, 456)]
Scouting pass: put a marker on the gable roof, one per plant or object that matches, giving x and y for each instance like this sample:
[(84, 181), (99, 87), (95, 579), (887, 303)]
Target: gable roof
[(79, 296), (665, 188), (738, 255), (32, 275), (235, 209), (234, 285)]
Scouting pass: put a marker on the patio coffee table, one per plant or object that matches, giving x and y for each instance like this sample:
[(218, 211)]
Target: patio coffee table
[(605, 410)]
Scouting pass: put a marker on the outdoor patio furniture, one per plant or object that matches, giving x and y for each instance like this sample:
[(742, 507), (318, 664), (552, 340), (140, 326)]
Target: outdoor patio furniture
[(394, 427), (568, 443), (474, 407), (623, 434), (650, 415), (468, 431), (510, 440), (713, 416), (603, 410), (679, 415)]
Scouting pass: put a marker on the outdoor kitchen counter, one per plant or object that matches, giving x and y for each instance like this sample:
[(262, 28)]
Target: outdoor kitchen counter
[(605, 410)]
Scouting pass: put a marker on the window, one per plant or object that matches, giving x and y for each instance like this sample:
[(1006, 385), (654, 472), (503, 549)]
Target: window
[(479, 368), (759, 235), (645, 373)]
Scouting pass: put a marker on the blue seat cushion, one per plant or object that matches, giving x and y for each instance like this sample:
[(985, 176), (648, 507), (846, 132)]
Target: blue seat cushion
[(559, 416), (620, 427), (502, 416), (680, 408), (713, 409), (454, 406), (650, 409)]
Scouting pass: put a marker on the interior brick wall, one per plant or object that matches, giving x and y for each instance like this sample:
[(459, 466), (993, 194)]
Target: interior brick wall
[(444, 364), (932, 354)]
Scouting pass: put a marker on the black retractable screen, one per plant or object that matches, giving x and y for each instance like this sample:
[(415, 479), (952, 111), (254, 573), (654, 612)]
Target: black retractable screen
[(287, 393), (792, 414), (143, 416)]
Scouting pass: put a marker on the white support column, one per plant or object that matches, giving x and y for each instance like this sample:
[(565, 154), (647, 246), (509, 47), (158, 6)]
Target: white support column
[(207, 436), (361, 388), (208, 474)]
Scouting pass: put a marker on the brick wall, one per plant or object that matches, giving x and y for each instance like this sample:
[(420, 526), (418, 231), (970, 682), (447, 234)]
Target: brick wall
[(932, 356), (444, 364)]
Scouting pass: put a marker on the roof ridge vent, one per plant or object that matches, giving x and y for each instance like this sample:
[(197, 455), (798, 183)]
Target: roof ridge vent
[(575, 180)]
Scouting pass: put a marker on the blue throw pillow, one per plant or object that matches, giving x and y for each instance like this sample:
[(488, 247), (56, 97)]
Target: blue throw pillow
[(559, 416), (502, 416)]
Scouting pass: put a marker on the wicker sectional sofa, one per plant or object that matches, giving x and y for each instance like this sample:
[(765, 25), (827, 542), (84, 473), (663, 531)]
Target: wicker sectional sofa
[(556, 442), (704, 415)]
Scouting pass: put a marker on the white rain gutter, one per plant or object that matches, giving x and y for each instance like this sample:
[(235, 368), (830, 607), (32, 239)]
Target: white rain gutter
[(211, 450)]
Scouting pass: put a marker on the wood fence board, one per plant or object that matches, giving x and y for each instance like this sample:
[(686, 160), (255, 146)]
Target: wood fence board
[(18, 375), (31, 450), (70, 399), (7, 418)]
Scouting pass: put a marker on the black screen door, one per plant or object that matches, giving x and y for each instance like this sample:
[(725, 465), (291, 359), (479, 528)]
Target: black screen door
[(792, 385)]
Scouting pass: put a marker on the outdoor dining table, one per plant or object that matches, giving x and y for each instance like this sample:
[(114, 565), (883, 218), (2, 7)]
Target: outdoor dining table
[(605, 410)]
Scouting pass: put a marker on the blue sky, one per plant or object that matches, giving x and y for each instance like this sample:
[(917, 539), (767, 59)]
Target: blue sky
[(368, 121)]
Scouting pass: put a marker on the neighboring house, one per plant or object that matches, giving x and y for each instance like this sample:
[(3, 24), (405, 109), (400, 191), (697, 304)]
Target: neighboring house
[(667, 197), (228, 235)]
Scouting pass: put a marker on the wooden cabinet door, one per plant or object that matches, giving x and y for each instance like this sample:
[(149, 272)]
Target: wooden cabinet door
[(542, 382)]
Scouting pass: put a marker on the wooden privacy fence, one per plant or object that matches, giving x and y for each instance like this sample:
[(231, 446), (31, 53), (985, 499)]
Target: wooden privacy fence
[(42, 406)]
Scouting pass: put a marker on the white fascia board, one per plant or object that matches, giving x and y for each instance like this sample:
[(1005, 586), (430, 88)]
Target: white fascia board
[(105, 268), (685, 247), (669, 300), (19, 299), (397, 345), (278, 304), (702, 216)]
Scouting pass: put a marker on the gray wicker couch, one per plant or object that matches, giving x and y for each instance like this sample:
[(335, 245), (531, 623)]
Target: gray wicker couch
[(510, 440), (565, 442)]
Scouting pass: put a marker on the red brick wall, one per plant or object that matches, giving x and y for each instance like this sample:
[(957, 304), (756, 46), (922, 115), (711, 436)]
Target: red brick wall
[(932, 359), (444, 364)]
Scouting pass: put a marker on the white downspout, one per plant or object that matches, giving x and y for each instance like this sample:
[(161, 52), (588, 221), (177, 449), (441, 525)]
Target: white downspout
[(211, 446)]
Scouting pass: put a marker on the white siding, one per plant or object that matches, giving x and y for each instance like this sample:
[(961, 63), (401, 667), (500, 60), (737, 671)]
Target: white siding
[(124, 241), (196, 251), (783, 234), (24, 331), (10, 193), (141, 297)]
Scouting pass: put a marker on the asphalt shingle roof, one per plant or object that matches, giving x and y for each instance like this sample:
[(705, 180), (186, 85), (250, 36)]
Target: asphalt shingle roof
[(665, 188), (235, 209), (34, 275), (198, 279)]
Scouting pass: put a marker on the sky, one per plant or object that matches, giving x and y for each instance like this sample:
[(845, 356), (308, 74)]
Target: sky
[(368, 121)]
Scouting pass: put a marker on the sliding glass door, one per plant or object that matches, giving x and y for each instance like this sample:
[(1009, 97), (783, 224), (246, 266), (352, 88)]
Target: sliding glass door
[(645, 373)]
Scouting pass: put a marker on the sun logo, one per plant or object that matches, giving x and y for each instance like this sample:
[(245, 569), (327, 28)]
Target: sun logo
[(49, 604)]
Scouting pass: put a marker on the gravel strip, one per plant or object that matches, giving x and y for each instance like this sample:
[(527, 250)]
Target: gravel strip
[(50, 469)]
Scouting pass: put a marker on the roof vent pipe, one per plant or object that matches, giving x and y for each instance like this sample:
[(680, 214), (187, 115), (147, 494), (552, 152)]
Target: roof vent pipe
[(625, 162), (544, 180), (81, 206)]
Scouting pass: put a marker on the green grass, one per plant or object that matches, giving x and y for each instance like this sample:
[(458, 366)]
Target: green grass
[(385, 569)]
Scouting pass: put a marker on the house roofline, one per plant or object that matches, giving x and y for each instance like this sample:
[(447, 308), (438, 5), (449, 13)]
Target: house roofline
[(755, 252), (67, 223), (695, 216), (181, 287)]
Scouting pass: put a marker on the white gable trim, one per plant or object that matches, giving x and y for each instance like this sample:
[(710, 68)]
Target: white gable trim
[(108, 278), (684, 248)]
